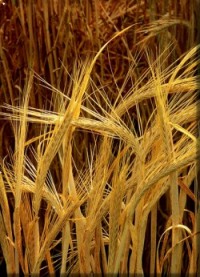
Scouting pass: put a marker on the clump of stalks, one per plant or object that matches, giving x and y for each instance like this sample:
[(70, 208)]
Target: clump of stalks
[(101, 174), (95, 219)]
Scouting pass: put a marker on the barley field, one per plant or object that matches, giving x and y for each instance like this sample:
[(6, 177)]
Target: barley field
[(99, 138)]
